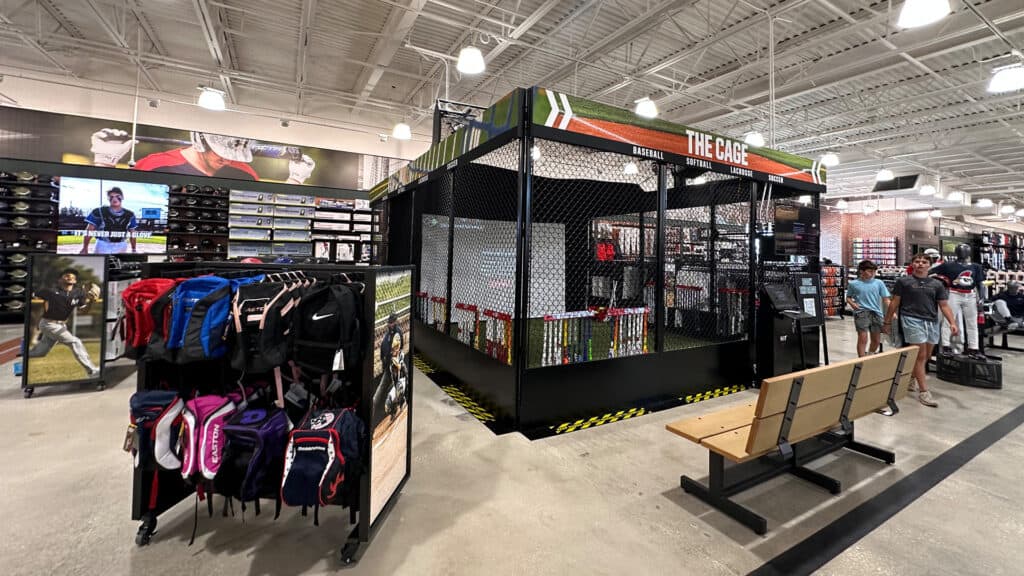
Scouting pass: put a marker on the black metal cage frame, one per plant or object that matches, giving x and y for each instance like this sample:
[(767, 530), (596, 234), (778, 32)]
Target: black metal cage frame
[(498, 189)]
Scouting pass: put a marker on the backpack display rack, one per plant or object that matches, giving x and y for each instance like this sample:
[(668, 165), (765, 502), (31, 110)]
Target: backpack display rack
[(204, 421)]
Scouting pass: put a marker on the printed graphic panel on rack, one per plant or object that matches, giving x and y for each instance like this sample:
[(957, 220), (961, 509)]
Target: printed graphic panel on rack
[(66, 325), (390, 418), (111, 217)]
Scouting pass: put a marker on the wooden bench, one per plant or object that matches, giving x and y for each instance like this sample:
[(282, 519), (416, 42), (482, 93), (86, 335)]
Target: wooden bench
[(797, 418)]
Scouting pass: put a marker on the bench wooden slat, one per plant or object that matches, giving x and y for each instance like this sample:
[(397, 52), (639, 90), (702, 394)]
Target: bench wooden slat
[(826, 381), (696, 429), (731, 444), (871, 398)]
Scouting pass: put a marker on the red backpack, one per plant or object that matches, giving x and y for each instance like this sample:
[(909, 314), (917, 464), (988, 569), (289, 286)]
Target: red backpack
[(137, 318)]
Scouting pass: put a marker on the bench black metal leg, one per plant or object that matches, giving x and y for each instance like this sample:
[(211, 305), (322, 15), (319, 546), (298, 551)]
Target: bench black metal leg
[(827, 482), (712, 496), (875, 452)]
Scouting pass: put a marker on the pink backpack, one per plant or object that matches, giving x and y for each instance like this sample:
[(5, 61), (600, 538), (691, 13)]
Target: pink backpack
[(202, 433)]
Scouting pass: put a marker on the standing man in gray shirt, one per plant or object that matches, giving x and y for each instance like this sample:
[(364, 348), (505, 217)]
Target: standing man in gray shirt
[(919, 298)]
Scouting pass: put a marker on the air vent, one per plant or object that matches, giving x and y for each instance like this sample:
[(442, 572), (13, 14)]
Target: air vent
[(898, 183)]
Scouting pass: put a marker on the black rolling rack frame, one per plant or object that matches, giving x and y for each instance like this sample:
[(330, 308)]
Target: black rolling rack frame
[(173, 489), (485, 175)]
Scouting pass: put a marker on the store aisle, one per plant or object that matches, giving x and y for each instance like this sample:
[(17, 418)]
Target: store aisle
[(601, 501)]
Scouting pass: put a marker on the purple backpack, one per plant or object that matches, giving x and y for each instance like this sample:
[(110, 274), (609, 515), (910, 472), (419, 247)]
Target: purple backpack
[(202, 434), (254, 457)]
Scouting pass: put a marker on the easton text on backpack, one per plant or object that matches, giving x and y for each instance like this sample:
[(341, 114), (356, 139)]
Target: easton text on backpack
[(202, 434)]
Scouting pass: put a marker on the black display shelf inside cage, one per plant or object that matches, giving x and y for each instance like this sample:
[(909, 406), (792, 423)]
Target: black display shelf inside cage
[(385, 299), (560, 279)]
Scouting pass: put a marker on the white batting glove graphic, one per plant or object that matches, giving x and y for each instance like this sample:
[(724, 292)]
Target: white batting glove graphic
[(300, 170), (109, 145)]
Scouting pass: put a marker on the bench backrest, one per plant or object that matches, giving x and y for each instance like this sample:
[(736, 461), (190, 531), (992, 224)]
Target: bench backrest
[(822, 395)]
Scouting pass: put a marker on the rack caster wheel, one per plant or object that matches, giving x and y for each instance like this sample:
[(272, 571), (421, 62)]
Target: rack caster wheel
[(349, 555), (101, 387), (146, 532), (27, 392)]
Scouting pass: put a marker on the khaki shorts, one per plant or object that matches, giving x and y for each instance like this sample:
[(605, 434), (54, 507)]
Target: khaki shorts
[(867, 321)]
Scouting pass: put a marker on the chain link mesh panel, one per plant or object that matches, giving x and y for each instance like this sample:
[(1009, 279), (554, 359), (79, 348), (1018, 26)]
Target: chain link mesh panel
[(484, 251), (591, 255), (435, 199)]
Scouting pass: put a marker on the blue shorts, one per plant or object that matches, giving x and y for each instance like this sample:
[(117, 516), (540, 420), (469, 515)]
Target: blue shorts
[(919, 330)]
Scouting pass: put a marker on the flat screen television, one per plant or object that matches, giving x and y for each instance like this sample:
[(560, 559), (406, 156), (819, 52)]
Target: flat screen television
[(797, 230), (111, 217)]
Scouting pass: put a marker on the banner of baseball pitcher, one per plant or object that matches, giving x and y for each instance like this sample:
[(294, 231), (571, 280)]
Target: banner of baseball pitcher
[(661, 140), (47, 137), (502, 116)]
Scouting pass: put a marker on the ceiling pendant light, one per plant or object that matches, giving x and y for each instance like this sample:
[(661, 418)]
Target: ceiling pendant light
[(211, 99), (646, 108), (1007, 78), (916, 13), (842, 204), (985, 203), (630, 169), (936, 213), (885, 175), (1008, 209), (401, 131), (471, 61), (830, 159), (755, 139), (1020, 212), (955, 196), (927, 190)]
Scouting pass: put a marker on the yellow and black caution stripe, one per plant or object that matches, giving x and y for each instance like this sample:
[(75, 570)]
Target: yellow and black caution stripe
[(691, 398), (471, 406), (423, 364), (597, 420)]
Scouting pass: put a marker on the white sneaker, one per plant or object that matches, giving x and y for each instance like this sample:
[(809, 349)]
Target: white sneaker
[(926, 399), (912, 387)]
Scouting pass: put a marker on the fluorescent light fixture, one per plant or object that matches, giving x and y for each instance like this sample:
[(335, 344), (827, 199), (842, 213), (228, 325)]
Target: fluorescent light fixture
[(699, 180), (842, 204), (1008, 209), (936, 213), (885, 175), (630, 169), (830, 159), (401, 131), (805, 199), (917, 13), (535, 153), (471, 61), (927, 190), (755, 139), (211, 99), (646, 108), (985, 203), (870, 209), (1007, 78), (955, 196)]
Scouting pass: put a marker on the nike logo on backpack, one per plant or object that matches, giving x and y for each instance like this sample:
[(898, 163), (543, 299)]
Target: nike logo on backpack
[(319, 317)]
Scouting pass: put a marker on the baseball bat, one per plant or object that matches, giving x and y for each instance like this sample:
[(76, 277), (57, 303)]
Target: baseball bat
[(260, 149)]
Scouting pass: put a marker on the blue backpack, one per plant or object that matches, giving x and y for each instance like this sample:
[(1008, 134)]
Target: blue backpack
[(200, 314)]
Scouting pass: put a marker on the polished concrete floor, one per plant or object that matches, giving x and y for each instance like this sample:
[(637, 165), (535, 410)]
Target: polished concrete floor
[(599, 501)]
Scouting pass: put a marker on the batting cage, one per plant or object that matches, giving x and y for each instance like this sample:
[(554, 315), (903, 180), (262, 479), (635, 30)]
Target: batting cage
[(566, 276)]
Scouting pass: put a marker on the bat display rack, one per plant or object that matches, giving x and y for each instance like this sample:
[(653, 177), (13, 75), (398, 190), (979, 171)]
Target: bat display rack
[(378, 492), (578, 264)]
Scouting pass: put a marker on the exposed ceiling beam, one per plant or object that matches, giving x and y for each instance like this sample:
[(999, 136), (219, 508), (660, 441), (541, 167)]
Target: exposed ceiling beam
[(55, 12), (302, 50), (397, 27), (208, 24), (35, 45), (143, 21), (118, 39)]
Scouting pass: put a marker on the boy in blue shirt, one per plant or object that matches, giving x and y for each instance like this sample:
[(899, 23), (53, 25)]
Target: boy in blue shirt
[(868, 298)]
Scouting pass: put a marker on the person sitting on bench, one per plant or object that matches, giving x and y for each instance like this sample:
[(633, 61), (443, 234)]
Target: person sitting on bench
[(1008, 307)]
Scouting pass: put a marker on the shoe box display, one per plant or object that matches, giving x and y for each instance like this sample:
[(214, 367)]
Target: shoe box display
[(267, 224), (197, 222), (343, 230)]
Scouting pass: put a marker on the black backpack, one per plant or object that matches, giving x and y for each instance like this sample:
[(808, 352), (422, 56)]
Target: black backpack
[(262, 324), (326, 321)]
